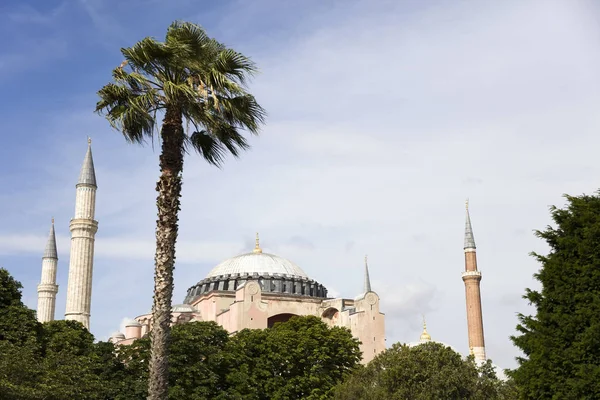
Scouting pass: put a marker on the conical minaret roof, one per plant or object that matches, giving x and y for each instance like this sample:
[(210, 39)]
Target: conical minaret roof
[(50, 251), (367, 287), (469, 238), (88, 174)]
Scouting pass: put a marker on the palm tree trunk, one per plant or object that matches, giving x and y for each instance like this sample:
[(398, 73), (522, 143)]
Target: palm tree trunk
[(169, 191)]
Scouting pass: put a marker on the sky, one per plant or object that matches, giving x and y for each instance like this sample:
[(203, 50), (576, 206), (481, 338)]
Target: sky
[(383, 117)]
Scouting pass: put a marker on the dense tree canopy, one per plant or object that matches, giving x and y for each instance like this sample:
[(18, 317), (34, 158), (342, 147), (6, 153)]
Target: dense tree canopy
[(298, 359), (52, 361), (561, 341), (430, 371)]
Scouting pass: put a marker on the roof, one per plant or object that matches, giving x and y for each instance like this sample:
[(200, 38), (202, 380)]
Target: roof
[(469, 238), (50, 251), (88, 174), (260, 263), (181, 308)]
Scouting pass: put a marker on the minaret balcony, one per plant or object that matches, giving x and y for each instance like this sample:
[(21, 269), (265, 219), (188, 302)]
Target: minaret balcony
[(471, 273), (48, 287)]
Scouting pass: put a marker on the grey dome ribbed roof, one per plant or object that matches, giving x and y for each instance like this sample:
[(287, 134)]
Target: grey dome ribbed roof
[(259, 263), (88, 174), (117, 335)]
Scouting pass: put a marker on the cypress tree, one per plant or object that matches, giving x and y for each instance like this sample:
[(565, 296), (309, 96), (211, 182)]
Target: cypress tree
[(561, 342)]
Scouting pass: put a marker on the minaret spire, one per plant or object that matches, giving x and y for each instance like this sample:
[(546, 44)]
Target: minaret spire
[(472, 280), (48, 288), (367, 284), (83, 232), (469, 238), (88, 174)]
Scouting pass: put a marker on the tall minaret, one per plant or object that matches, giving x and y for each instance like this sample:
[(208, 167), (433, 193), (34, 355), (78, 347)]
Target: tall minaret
[(472, 279), (83, 230), (48, 288)]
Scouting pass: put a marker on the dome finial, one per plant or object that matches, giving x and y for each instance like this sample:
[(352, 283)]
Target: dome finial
[(257, 248), (89, 140), (467, 204), (425, 337)]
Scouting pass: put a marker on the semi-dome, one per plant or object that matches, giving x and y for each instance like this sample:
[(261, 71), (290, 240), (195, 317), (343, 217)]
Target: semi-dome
[(117, 335)]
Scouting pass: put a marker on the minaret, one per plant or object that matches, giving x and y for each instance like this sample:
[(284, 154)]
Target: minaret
[(48, 288), (83, 230), (472, 279), (367, 284)]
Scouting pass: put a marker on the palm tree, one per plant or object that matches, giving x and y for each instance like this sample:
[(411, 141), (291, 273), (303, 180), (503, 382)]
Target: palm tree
[(187, 78)]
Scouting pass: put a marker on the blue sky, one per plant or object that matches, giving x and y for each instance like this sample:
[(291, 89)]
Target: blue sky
[(383, 117)]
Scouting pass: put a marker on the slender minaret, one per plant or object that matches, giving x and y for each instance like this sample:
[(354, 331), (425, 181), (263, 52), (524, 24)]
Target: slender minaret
[(367, 284), (472, 279), (48, 288), (83, 230)]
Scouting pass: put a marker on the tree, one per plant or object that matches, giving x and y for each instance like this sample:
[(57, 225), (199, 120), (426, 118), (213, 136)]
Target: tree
[(429, 371), (299, 359), (20, 370), (198, 363), (188, 77), (561, 342), (50, 361), (71, 366)]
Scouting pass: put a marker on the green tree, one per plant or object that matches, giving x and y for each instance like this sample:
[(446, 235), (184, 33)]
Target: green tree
[(74, 366), (18, 324), (55, 360), (561, 342), (187, 78), (430, 371), (20, 369), (198, 363), (299, 359)]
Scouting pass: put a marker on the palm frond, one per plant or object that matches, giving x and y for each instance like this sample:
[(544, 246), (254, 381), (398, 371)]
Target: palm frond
[(197, 75), (147, 55)]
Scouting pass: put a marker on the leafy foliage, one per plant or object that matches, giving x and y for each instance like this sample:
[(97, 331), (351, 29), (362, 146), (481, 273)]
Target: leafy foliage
[(426, 372), (561, 341), (301, 358), (298, 359), (55, 360)]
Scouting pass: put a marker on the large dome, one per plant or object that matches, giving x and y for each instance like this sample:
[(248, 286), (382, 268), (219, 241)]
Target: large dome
[(274, 274), (259, 263)]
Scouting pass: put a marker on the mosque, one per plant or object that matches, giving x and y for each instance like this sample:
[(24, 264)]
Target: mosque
[(253, 290)]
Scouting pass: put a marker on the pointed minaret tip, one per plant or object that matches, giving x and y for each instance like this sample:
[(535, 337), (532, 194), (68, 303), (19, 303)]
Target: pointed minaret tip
[(367, 284), (469, 238), (50, 251), (88, 174)]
